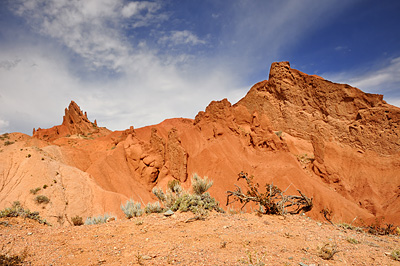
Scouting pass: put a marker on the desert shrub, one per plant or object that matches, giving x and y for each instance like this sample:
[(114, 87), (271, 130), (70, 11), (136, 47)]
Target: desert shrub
[(98, 220), (153, 208), (45, 186), (175, 198), (327, 213), (132, 209), (35, 190), (352, 240), (377, 228), (18, 211), (42, 199), (327, 251), (395, 254), (4, 136), (7, 142), (77, 220), (199, 185), (6, 258), (175, 186), (272, 201)]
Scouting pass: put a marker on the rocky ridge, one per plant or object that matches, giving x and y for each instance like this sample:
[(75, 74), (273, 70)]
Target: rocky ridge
[(334, 142)]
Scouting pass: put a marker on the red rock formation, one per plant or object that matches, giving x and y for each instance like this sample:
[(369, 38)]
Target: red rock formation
[(332, 141), (74, 123)]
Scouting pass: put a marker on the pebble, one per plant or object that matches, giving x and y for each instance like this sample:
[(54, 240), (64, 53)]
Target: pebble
[(168, 213)]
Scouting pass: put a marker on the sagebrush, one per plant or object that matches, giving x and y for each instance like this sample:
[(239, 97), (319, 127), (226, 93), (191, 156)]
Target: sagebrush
[(177, 199), (99, 219), (17, 210), (132, 209)]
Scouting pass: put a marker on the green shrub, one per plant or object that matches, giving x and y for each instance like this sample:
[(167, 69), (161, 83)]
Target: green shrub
[(34, 191), (7, 142), (132, 209), (200, 185), (77, 220), (98, 220), (176, 198), (45, 186), (18, 211), (395, 254), (175, 186), (42, 199), (4, 136), (153, 208)]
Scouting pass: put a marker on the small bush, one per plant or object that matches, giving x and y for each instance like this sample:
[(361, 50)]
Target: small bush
[(15, 259), (199, 185), (7, 142), (328, 251), (175, 186), (353, 240), (77, 220), (176, 198), (153, 208), (4, 136), (42, 199), (45, 186), (395, 254), (35, 190), (18, 211), (132, 209), (98, 220)]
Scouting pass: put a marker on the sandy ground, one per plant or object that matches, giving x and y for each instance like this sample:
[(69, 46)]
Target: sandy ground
[(220, 239)]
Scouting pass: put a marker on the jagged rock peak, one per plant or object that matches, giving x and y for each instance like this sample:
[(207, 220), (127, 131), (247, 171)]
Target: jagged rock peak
[(74, 115), (306, 105), (75, 122)]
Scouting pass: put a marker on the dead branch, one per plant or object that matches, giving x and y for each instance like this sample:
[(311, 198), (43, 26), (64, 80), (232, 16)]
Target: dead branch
[(272, 201)]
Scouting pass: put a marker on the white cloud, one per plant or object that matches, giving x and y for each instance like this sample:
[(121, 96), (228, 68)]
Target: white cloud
[(181, 37), (146, 85), (382, 78), (3, 126), (135, 8)]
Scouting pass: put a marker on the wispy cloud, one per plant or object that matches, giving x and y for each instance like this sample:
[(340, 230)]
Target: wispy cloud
[(109, 56), (183, 37), (382, 78)]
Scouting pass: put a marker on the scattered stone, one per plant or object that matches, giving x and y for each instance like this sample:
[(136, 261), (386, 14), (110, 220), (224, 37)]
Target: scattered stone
[(168, 213), (110, 219)]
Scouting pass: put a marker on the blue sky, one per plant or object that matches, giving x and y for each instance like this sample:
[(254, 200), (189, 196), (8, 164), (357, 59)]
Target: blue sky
[(136, 63)]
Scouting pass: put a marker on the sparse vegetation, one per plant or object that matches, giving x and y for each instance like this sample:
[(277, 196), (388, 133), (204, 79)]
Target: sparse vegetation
[(176, 198), (6, 258), (304, 158), (199, 185), (254, 258), (18, 211), (279, 134), (77, 220), (153, 208), (35, 190), (328, 214), (45, 186), (98, 220), (272, 201), (7, 142), (395, 254), (42, 199), (4, 136), (132, 209), (327, 251), (352, 240), (29, 156)]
